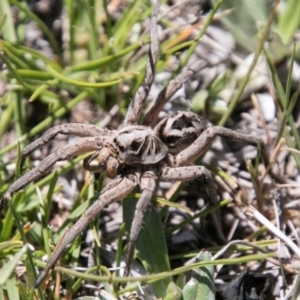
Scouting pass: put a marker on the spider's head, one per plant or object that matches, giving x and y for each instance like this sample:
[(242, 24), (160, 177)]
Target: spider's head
[(138, 145), (179, 130)]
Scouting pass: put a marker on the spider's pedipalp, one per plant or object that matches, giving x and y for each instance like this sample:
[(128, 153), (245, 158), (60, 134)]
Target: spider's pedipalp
[(202, 143), (191, 173), (106, 161), (75, 129), (114, 191), (81, 146)]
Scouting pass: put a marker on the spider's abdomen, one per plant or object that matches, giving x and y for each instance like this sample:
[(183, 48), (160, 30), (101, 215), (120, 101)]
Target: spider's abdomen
[(179, 130), (138, 145)]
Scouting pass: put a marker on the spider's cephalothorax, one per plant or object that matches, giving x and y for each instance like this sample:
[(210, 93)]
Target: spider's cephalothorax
[(138, 145), (132, 145)]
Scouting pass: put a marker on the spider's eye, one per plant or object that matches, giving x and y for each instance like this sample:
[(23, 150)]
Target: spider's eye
[(189, 124), (134, 145), (171, 139), (177, 125), (181, 123), (121, 148), (118, 145)]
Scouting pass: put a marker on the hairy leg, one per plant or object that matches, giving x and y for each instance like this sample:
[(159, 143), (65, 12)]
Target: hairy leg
[(114, 191), (138, 102), (76, 129), (148, 187), (80, 146), (168, 91), (191, 153), (191, 173)]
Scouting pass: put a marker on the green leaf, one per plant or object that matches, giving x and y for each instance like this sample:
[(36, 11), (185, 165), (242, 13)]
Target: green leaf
[(247, 14), (288, 19), (12, 289), (201, 285), (173, 292), (198, 101)]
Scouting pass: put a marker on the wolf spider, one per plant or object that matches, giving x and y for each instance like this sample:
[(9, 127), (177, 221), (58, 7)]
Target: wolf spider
[(135, 155)]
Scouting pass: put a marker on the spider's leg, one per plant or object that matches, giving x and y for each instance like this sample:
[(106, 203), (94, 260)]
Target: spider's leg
[(191, 173), (151, 115), (75, 129), (201, 144), (148, 186), (116, 190), (138, 102), (80, 146)]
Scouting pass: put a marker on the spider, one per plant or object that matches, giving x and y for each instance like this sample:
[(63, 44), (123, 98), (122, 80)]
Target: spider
[(139, 155), (135, 155)]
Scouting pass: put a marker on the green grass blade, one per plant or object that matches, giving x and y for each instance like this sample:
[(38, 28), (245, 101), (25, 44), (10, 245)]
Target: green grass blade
[(7, 30), (289, 78), (244, 82), (276, 80), (40, 127), (41, 24), (29, 261), (119, 248), (193, 46), (91, 65), (6, 116), (63, 78), (198, 215), (8, 268), (135, 12)]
